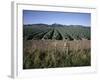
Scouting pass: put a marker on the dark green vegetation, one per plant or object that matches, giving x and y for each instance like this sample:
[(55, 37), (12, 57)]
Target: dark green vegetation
[(51, 46), (56, 32)]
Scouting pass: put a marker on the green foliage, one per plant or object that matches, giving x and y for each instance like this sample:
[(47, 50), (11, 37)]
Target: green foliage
[(57, 32)]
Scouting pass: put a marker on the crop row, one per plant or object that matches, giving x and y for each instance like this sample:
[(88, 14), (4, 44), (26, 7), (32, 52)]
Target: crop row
[(56, 33)]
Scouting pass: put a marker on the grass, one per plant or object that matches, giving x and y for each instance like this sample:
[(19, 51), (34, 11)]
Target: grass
[(46, 56)]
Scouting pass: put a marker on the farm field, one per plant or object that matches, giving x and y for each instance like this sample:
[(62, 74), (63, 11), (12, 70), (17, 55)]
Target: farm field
[(56, 45), (56, 32)]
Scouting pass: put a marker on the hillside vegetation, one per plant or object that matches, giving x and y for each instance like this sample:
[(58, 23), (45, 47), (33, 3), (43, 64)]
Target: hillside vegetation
[(56, 32)]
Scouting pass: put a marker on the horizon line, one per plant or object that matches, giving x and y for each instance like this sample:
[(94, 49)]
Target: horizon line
[(59, 24)]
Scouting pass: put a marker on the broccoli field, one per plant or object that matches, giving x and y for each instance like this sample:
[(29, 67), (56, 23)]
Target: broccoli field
[(56, 45)]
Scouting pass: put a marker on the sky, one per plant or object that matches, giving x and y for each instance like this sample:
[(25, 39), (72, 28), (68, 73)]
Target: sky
[(51, 17)]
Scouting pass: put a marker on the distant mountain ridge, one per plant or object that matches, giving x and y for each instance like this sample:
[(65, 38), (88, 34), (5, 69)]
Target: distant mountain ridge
[(55, 25)]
